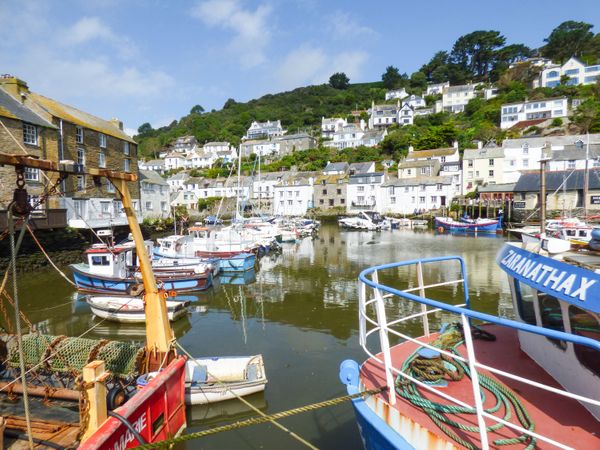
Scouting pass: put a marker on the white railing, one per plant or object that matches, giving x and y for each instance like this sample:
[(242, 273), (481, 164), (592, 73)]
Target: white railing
[(374, 296)]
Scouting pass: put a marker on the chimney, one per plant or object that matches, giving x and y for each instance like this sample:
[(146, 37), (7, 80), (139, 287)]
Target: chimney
[(117, 123), (411, 149), (455, 145), (479, 145), (15, 87)]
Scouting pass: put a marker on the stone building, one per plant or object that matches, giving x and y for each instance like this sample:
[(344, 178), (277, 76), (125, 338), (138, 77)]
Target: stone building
[(66, 133)]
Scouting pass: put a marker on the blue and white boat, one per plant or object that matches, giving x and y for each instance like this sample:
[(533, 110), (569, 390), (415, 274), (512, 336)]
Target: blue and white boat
[(477, 226), (240, 262), (238, 278), (479, 380), (109, 270)]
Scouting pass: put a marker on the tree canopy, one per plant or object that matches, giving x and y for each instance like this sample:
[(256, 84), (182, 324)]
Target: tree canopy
[(568, 39), (197, 109), (339, 80), (392, 79)]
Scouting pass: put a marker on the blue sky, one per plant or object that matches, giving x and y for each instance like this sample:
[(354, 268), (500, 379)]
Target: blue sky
[(152, 60)]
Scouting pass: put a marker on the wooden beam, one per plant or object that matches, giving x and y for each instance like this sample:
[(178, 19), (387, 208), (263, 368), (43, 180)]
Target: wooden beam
[(159, 334), (93, 374), (71, 169)]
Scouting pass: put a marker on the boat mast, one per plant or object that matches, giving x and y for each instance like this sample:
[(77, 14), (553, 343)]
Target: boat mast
[(546, 156), (586, 177), (237, 197)]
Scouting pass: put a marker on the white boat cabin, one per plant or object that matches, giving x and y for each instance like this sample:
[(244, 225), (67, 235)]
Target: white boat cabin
[(114, 261)]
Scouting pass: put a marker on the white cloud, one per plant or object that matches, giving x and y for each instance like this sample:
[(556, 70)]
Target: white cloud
[(251, 29), (87, 30), (312, 65), (344, 25)]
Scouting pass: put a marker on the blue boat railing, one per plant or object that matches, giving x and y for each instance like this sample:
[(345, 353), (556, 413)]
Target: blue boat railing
[(373, 296)]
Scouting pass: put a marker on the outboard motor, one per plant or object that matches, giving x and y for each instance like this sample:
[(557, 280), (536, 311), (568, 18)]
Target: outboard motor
[(595, 241)]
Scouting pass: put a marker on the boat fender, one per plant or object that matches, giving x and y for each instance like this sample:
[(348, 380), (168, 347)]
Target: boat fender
[(135, 290), (173, 293), (440, 229), (349, 370)]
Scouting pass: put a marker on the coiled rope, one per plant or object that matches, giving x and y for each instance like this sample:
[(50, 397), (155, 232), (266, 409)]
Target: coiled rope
[(432, 370)]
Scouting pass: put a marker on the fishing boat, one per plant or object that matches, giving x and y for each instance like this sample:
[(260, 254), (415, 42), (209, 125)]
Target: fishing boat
[(131, 309), (479, 226), (240, 262), (107, 271), (365, 220), (211, 380)]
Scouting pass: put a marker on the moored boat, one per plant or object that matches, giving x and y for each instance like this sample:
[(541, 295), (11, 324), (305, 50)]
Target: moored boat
[(478, 226), (131, 309), (533, 381)]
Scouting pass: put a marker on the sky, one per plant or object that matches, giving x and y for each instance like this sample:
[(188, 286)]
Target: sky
[(152, 60)]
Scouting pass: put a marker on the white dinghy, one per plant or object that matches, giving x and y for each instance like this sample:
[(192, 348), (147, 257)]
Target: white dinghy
[(131, 309), (210, 380)]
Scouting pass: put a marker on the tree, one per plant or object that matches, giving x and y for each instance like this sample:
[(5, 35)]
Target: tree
[(587, 116), (197, 110), (145, 128), (392, 78), (568, 39), (339, 80), (229, 103), (418, 81), (475, 53), (437, 67), (507, 56)]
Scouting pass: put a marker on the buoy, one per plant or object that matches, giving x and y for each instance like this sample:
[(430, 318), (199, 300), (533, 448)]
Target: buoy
[(440, 229), (173, 293)]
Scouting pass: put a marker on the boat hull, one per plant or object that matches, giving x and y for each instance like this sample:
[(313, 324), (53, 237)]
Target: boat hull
[(119, 310), (87, 282), (238, 263), (463, 227)]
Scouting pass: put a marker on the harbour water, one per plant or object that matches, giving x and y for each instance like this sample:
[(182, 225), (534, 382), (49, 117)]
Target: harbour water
[(299, 310)]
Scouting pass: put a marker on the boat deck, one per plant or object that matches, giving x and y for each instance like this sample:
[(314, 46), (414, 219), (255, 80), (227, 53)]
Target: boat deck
[(56, 421), (557, 417)]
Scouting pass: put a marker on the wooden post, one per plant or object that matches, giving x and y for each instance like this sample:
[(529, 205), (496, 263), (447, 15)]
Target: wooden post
[(479, 208), (2, 427), (95, 374)]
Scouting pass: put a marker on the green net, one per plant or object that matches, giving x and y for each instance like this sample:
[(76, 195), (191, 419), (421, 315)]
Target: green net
[(63, 354)]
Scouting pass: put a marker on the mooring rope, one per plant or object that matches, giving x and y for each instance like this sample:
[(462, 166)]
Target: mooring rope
[(62, 274), (259, 420)]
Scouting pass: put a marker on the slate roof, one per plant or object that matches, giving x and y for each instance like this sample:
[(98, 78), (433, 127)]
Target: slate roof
[(154, 162), (572, 152), (530, 181), (336, 167), (483, 153), (13, 109), (501, 187), (431, 153), (552, 140), (360, 167), (151, 177)]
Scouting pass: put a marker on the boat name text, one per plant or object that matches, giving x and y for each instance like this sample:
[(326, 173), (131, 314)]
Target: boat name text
[(558, 280), (139, 425)]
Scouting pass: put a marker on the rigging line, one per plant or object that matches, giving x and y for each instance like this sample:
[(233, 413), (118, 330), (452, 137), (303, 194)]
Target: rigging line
[(554, 193), (13, 263), (250, 405), (14, 138), (62, 274)]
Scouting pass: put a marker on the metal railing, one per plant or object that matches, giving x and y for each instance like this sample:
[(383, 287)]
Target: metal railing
[(381, 294)]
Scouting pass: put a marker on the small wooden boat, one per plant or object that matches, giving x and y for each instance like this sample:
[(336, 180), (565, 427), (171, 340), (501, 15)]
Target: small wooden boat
[(238, 263), (210, 380), (478, 226), (131, 309)]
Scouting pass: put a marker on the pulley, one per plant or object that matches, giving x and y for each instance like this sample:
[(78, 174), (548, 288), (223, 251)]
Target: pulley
[(20, 205)]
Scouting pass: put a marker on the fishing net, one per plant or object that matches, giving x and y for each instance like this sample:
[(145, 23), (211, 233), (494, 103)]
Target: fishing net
[(68, 355)]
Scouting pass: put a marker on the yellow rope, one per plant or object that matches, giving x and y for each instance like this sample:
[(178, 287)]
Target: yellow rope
[(62, 274)]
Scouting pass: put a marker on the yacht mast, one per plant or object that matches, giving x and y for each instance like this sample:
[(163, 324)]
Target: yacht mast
[(586, 177), (238, 216)]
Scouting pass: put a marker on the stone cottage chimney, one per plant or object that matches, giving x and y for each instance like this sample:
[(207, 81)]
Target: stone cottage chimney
[(117, 123), (455, 144), (14, 86), (479, 145), (411, 149)]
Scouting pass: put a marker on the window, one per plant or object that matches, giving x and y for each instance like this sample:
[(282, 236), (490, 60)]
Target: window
[(438, 186), (30, 134), (81, 156), (423, 170), (100, 261), (470, 163), (102, 140), (421, 199), (551, 315), (585, 324), (32, 174), (407, 171), (360, 189), (477, 173), (126, 164), (79, 135), (524, 295), (343, 201), (149, 206), (491, 161), (331, 202), (361, 199), (324, 191), (126, 148), (571, 164), (470, 175), (79, 207), (290, 202), (297, 193), (443, 159), (105, 207), (572, 72), (321, 201), (434, 198), (393, 200), (110, 187), (101, 160), (491, 173), (81, 183), (552, 74), (339, 192), (422, 187), (525, 163)]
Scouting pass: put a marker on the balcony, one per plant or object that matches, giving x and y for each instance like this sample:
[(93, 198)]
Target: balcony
[(41, 220)]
